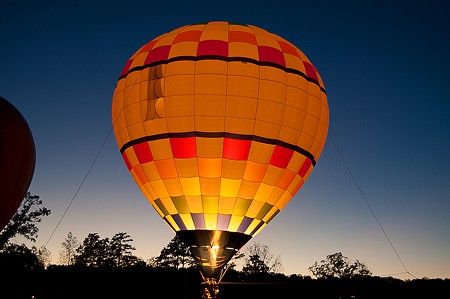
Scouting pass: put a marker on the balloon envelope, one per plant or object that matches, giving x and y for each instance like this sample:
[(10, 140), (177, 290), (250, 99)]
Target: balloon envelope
[(17, 160), (219, 124)]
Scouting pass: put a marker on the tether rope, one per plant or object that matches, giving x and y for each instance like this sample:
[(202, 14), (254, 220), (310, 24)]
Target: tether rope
[(89, 169), (370, 207)]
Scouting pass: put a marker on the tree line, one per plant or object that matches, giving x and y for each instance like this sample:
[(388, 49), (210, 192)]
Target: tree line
[(117, 251)]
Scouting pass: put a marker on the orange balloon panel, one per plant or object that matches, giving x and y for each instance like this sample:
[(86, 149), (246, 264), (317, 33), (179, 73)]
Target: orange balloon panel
[(220, 124)]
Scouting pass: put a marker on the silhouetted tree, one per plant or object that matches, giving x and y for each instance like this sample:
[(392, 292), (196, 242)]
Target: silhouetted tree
[(98, 252), (337, 265), (259, 260), (255, 266), (175, 255), (24, 221), (120, 251), (93, 251), (44, 255), (69, 250), (19, 258)]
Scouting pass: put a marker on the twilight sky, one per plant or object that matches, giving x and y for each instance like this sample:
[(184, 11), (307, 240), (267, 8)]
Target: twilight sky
[(385, 69)]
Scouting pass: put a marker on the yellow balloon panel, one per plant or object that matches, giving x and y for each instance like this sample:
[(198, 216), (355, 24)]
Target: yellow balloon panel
[(220, 125)]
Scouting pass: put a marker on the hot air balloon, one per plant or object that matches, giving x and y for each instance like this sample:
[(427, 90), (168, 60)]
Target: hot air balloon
[(219, 124), (17, 160)]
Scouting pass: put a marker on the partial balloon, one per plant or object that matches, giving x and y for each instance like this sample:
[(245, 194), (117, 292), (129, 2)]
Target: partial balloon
[(219, 124), (17, 160)]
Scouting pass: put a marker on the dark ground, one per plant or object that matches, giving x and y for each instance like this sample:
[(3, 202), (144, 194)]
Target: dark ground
[(68, 283)]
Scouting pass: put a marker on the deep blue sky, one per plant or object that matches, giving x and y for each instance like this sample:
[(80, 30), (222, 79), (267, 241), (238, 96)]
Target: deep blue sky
[(385, 65)]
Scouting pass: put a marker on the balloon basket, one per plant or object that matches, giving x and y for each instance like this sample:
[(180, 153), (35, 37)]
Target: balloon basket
[(211, 290)]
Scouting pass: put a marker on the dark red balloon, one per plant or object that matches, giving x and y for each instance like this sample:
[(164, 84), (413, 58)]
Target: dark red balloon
[(17, 160)]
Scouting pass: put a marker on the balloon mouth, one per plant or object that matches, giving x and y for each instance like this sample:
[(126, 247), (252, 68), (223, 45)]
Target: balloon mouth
[(212, 249)]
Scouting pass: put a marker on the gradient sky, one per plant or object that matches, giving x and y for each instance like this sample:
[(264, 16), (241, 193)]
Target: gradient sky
[(385, 65)]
